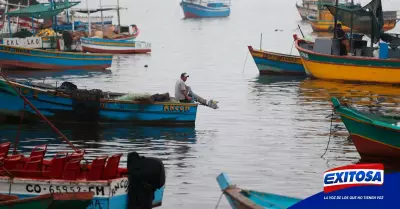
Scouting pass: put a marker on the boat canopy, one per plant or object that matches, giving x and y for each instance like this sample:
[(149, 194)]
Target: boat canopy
[(42, 10), (367, 20)]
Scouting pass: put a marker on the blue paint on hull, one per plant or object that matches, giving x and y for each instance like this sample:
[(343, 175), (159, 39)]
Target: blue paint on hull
[(61, 108), (266, 66), (109, 41), (41, 59), (192, 10), (261, 199), (114, 202)]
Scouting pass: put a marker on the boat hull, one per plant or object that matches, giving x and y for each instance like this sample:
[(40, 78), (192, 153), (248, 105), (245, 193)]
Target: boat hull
[(79, 200), (110, 194), (328, 26), (95, 45), (16, 57), (60, 107), (371, 138), (305, 12), (249, 199), (270, 63), (192, 10), (349, 68)]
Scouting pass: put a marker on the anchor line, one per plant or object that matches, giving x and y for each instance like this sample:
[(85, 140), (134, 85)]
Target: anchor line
[(220, 197), (291, 49), (247, 55), (330, 133)]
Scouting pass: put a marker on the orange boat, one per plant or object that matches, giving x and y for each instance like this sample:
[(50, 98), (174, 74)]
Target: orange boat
[(325, 21)]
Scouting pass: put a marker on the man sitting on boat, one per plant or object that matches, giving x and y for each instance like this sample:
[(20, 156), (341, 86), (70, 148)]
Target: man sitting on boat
[(184, 94), (181, 91), (344, 42)]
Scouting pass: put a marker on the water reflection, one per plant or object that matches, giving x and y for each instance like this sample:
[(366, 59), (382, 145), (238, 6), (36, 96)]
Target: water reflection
[(276, 79), (372, 97), (167, 142), (378, 99), (43, 74)]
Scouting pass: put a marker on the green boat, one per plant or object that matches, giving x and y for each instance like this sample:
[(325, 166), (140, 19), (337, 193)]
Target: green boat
[(374, 136), (78, 200)]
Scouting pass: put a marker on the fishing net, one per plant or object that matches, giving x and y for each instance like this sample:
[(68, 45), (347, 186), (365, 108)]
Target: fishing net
[(133, 96), (22, 34), (367, 20), (146, 98)]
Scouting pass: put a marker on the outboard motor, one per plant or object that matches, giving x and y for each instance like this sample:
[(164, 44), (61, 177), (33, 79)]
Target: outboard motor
[(146, 175)]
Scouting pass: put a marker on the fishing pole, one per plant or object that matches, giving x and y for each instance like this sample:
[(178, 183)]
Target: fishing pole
[(39, 113)]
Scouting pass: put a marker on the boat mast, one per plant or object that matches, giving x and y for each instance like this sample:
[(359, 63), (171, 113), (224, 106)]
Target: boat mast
[(89, 26), (334, 30), (119, 21), (101, 13), (351, 26), (19, 7)]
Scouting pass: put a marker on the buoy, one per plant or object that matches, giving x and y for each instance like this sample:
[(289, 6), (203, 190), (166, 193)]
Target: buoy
[(145, 66)]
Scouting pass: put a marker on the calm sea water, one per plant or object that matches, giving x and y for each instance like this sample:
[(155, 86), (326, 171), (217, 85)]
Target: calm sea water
[(270, 131)]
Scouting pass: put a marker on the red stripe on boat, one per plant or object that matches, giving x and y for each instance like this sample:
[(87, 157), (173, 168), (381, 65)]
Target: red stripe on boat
[(367, 147), (191, 15)]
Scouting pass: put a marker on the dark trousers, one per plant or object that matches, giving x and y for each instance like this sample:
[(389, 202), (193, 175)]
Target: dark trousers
[(184, 101)]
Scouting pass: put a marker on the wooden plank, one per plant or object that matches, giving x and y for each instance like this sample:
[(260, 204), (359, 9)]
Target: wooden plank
[(244, 202)]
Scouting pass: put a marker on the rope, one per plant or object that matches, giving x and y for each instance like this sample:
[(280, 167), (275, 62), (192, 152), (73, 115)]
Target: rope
[(245, 62), (7, 173), (220, 197), (19, 130), (330, 134), (292, 48)]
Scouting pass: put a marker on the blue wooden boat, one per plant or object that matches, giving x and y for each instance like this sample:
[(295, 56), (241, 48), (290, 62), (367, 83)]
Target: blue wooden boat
[(249, 199), (203, 8), (277, 64), (18, 57), (25, 176), (67, 103), (99, 45)]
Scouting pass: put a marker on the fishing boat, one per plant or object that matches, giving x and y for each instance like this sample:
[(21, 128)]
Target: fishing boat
[(113, 187), (249, 199), (100, 45), (78, 200), (373, 135), (319, 62), (310, 7), (321, 20), (69, 104), (204, 8), (327, 25), (19, 57), (104, 24), (66, 173), (325, 21), (329, 59), (275, 63)]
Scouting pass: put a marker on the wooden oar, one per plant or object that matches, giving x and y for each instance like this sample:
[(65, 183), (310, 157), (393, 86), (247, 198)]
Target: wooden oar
[(40, 114)]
